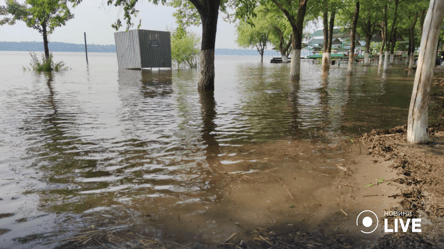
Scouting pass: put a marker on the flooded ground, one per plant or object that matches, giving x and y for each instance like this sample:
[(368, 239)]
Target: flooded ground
[(98, 149)]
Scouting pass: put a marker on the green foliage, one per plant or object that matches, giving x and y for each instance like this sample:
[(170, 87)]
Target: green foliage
[(184, 47), (254, 33), (186, 13), (46, 65), (42, 15), (375, 47)]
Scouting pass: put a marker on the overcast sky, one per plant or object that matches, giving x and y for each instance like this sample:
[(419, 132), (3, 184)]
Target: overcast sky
[(95, 18)]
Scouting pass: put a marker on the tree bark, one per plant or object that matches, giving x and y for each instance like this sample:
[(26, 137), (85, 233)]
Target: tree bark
[(422, 17), (330, 36), (261, 52), (283, 50), (383, 35), (328, 39), (419, 103), (352, 39), (325, 54), (295, 72), (45, 40), (392, 49), (390, 36), (411, 53), (209, 12), (381, 51), (368, 38)]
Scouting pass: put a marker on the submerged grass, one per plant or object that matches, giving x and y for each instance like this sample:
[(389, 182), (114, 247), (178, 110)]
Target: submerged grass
[(45, 65)]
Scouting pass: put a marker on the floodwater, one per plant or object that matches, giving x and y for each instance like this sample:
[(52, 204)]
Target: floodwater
[(95, 141)]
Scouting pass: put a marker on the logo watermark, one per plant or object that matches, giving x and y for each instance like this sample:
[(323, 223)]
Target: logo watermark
[(368, 221), (400, 222)]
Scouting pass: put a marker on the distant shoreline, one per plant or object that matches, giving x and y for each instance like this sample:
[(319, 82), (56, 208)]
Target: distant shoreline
[(94, 48)]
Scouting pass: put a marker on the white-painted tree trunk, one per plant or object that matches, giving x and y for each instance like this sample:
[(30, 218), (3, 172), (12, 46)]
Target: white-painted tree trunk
[(284, 58), (380, 60), (392, 59), (419, 103), (326, 61), (386, 60), (351, 59), (411, 61), (295, 71), (366, 59)]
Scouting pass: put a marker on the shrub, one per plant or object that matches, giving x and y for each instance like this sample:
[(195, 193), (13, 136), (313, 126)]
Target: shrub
[(46, 65), (184, 47)]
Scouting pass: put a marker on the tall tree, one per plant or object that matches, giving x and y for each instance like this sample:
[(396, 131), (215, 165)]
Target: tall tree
[(327, 11), (280, 34), (367, 26), (390, 33), (328, 6), (42, 15), (254, 32), (419, 103), (352, 38), (296, 19)]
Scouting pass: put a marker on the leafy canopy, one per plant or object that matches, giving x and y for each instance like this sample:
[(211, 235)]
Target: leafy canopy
[(37, 14), (254, 32)]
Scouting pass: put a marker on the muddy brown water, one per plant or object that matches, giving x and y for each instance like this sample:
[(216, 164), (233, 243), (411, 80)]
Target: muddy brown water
[(97, 147)]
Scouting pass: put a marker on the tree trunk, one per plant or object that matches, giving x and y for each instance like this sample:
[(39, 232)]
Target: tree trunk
[(422, 17), (209, 14), (390, 37), (45, 40), (383, 35), (419, 103), (368, 38), (325, 54), (284, 57), (381, 51), (297, 27), (411, 57), (282, 49), (328, 40), (409, 49), (295, 71), (392, 49), (352, 39), (330, 36), (386, 59)]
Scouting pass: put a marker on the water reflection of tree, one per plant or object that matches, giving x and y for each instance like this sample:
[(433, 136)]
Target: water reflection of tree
[(208, 112), (338, 93), (293, 107), (61, 153), (265, 107)]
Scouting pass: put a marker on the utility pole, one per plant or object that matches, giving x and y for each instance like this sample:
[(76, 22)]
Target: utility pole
[(86, 48)]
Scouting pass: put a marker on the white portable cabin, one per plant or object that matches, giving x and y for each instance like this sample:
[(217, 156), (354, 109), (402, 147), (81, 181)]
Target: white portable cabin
[(137, 49)]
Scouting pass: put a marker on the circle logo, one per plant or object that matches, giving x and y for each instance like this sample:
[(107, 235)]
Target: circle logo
[(367, 221)]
